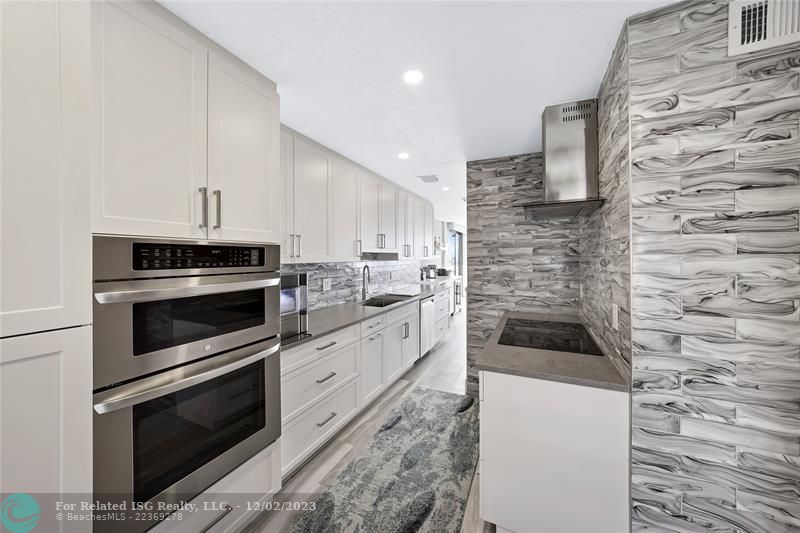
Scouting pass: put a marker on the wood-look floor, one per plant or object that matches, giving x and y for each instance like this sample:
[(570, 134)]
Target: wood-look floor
[(444, 368)]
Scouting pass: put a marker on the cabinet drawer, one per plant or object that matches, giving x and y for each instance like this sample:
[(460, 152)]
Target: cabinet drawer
[(307, 384), (442, 307), (440, 327), (294, 358), (402, 313), (373, 324), (309, 431)]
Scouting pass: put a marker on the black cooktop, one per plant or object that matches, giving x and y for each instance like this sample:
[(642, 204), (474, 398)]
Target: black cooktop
[(547, 335)]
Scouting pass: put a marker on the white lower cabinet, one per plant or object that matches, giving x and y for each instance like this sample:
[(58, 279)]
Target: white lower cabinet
[(393, 351), (372, 366), (307, 432), (230, 503), (304, 387), (568, 454), (46, 412), (328, 381)]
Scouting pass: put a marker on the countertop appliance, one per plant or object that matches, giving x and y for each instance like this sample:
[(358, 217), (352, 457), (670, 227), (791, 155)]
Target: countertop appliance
[(570, 147), (186, 366), (294, 308), (549, 335), (426, 325), (429, 272)]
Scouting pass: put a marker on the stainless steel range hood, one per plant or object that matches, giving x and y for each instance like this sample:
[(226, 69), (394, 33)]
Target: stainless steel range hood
[(570, 149)]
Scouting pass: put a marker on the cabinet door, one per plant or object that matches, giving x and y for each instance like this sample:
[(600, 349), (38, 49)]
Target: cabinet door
[(46, 409), (393, 351), (402, 200), (372, 374), (369, 192), (287, 177), (411, 341), (419, 228), (344, 211), (312, 173), (244, 181), (45, 250), (428, 230), (388, 217), (149, 130), (410, 250)]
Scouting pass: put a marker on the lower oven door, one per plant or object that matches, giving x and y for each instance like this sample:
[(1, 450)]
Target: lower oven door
[(145, 326), (168, 437)]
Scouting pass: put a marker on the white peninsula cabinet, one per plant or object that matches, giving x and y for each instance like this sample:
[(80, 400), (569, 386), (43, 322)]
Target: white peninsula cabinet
[(185, 136), (553, 456)]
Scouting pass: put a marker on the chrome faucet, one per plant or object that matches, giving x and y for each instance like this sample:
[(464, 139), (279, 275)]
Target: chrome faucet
[(365, 278)]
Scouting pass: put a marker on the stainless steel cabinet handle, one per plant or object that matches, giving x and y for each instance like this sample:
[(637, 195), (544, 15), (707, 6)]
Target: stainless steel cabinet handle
[(331, 417), (376, 337), (226, 509), (218, 195), (326, 378), (180, 378), (204, 221), (325, 347), (299, 245), (291, 245)]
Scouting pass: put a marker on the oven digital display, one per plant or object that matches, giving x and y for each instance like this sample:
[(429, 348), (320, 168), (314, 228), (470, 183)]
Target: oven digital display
[(162, 256)]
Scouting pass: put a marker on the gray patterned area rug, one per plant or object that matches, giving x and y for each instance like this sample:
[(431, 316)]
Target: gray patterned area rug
[(413, 476)]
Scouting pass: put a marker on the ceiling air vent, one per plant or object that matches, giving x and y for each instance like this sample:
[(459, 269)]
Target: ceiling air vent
[(760, 24), (429, 178)]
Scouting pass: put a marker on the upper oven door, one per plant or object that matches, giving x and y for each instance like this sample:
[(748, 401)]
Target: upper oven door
[(143, 326)]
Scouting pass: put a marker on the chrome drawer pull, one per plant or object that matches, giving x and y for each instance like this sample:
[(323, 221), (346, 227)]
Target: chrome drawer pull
[(326, 378), (320, 424), (320, 348), (225, 510)]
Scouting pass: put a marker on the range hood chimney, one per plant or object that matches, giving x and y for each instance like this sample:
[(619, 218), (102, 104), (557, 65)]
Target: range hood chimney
[(569, 133)]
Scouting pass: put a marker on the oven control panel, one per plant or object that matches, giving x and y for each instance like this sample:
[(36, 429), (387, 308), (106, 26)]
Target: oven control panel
[(163, 256)]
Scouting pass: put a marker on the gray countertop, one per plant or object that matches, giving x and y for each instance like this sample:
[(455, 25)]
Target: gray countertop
[(333, 318), (565, 367)]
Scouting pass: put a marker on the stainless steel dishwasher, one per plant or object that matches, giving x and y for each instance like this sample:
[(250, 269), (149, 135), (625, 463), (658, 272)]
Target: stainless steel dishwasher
[(426, 320)]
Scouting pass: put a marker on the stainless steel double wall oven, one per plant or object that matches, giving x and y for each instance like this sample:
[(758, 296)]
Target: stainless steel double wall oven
[(186, 365)]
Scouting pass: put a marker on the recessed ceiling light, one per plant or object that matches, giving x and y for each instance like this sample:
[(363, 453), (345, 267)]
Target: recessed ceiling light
[(413, 76), (403, 155), (445, 189)]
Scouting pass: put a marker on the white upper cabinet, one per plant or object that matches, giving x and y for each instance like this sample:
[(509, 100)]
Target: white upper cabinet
[(428, 230), (185, 137), (370, 192), (45, 249), (402, 218), (419, 227), (344, 211), (149, 131), (243, 154), (388, 217), (287, 182), (312, 187)]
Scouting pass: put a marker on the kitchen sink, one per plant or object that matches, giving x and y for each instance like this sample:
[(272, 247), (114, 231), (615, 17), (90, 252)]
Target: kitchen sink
[(385, 300)]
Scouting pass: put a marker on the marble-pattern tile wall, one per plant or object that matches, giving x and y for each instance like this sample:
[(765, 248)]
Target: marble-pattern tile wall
[(715, 194), (605, 234), (514, 264), (386, 276)]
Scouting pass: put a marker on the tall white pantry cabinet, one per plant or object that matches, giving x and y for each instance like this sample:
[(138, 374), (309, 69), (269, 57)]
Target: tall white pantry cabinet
[(45, 248), (115, 118)]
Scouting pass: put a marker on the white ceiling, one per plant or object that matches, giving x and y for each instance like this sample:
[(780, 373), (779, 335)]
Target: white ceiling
[(490, 68)]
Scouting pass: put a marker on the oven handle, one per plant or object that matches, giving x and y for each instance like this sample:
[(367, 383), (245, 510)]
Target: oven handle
[(181, 378), (151, 294)]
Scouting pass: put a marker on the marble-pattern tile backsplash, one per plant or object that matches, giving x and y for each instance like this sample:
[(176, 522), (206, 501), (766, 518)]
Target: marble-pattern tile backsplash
[(386, 276), (514, 264), (715, 202)]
